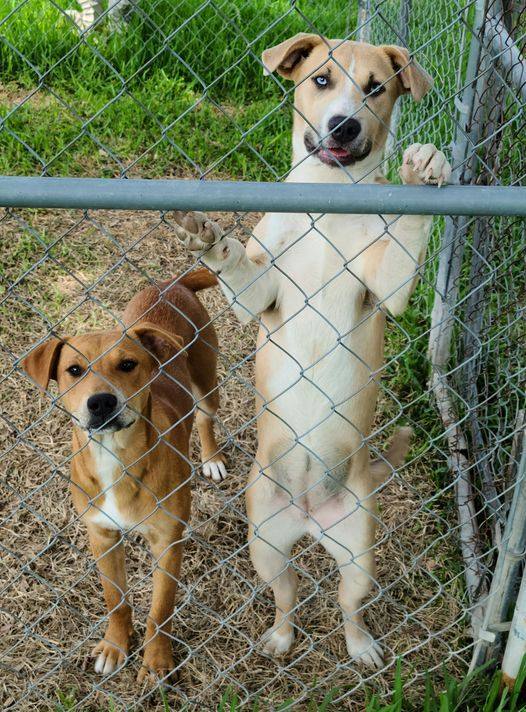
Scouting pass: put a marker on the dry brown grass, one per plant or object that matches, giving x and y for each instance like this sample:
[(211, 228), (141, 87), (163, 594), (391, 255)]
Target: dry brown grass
[(52, 612)]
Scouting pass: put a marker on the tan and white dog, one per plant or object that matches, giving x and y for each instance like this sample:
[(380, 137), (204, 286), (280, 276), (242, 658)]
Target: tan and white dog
[(320, 288), (130, 468)]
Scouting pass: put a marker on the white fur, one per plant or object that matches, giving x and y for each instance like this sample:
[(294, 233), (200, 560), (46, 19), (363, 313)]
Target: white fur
[(108, 469), (347, 103)]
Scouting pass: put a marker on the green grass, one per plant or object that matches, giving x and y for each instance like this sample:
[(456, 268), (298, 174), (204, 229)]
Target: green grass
[(473, 693), (190, 95)]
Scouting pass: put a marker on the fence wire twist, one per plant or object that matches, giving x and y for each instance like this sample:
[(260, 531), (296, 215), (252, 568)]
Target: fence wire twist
[(146, 88)]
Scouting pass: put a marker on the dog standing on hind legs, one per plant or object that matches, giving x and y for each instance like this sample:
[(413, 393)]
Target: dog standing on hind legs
[(130, 469), (320, 289)]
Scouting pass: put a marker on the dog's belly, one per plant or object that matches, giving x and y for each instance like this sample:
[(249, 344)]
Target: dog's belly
[(318, 372)]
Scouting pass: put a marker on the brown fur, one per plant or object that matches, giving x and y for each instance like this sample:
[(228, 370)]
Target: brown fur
[(150, 487)]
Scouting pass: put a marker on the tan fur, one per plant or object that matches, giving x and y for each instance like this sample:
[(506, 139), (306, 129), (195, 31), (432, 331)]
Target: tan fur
[(150, 490), (320, 286), (305, 56)]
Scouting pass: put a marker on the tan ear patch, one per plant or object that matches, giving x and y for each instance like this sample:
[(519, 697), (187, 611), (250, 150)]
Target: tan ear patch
[(412, 77), (285, 57)]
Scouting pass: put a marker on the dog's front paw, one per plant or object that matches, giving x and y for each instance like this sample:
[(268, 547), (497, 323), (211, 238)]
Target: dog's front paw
[(110, 656), (424, 164), (157, 665), (196, 231)]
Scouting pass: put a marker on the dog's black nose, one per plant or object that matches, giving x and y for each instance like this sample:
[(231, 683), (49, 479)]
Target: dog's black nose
[(343, 129), (101, 406)]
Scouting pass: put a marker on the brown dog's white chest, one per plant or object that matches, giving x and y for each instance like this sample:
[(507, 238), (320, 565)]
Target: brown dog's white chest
[(114, 507)]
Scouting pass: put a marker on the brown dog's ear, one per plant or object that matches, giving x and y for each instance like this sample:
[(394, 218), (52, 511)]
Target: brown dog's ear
[(412, 77), (41, 363), (285, 57), (157, 341)]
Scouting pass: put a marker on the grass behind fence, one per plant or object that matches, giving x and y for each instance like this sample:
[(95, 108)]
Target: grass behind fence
[(189, 95), (133, 100)]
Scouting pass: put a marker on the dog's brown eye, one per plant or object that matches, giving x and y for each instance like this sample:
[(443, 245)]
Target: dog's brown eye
[(74, 370), (127, 365), (374, 88)]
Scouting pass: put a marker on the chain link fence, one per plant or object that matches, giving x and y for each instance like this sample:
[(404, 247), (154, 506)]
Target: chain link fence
[(149, 89)]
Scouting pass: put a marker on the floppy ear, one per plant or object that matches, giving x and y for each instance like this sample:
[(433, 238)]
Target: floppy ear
[(157, 341), (41, 363), (412, 77), (285, 57)]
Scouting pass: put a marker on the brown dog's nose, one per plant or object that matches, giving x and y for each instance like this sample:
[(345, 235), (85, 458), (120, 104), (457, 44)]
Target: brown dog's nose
[(101, 406), (344, 129)]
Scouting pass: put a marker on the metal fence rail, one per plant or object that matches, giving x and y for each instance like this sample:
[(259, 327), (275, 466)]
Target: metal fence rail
[(111, 116), (111, 194)]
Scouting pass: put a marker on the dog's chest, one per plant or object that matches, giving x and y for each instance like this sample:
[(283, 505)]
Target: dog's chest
[(322, 298), (326, 339), (110, 510), (319, 263)]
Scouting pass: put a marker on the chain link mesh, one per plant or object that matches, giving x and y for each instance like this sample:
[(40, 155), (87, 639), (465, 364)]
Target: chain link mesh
[(153, 88)]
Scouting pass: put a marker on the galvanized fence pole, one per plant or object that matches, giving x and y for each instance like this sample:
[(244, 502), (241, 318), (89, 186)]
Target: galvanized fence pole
[(510, 558), (404, 34), (516, 643), (442, 323)]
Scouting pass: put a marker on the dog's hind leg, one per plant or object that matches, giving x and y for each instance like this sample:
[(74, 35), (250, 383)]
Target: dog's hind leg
[(202, 366), (347, 527), (211, 456), (274, 527)]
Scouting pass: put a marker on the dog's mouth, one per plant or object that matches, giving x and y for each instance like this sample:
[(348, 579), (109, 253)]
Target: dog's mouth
[(337, 155), (113, 425)]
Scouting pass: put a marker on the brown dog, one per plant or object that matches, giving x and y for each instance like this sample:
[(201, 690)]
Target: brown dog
[(131, 467)]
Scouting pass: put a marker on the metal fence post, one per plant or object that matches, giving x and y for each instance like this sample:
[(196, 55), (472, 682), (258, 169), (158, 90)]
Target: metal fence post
[(442, 321), (511, 555)]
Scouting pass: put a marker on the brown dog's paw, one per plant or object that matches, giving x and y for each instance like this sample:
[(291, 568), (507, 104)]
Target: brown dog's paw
[(157, 666), (424, 165), (214, 468), (196, 231), (109, 656)]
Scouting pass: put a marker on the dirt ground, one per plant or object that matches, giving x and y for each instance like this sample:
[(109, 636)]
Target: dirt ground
[(76, 269)]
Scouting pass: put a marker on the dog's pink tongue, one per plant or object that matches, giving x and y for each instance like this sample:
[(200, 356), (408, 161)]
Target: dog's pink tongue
[(338, 152)]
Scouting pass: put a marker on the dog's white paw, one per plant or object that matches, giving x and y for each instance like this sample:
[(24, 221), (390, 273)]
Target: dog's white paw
[(365, 650), (277, 641), (109, 657), (196, 231), (425, 164), (215, 469)]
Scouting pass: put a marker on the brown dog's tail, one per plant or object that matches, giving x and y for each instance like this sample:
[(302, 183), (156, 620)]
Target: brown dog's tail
[(198, 279), (393, 457)]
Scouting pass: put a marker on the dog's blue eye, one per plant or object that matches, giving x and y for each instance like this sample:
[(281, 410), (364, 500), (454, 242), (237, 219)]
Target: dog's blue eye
[(74, 370), (321, 81), (127, 365)]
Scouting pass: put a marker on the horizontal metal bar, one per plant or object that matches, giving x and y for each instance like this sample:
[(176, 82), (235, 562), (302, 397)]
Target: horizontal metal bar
[(119, 194)]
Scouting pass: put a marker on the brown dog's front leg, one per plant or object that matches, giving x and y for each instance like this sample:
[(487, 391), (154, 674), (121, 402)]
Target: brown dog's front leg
[(158, 661), (108, 552)]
